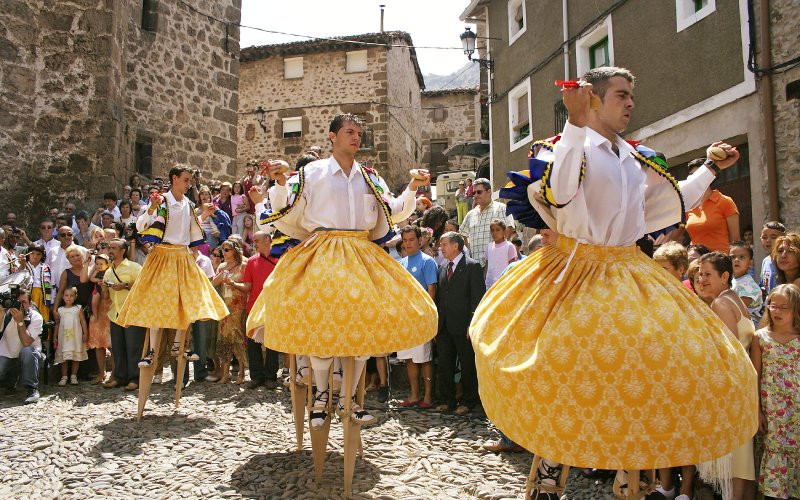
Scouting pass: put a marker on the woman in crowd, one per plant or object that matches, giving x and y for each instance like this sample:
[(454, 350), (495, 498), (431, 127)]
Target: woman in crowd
[(786, 256), (71, 277), (126, 212), (716, 275), (239, 207), (248, 230), (715, 222), (211, 353), (223, 200), (135, 182), (231, 338), (217, 227)]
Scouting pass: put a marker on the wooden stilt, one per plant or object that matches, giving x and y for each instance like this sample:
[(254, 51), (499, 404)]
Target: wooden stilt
[(319, 437), (532, 476), (146, 374), (298, 403), (350, 429), (534, 486), (360, 392), (181, 365), (631, 489)]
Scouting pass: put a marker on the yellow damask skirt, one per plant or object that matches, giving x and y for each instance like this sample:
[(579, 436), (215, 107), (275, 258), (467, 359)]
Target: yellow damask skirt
[(338, 294), (171, 292), (617, 366)]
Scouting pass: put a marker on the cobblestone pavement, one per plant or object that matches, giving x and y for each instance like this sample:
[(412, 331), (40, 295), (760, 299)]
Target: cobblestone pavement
[(227, 441)]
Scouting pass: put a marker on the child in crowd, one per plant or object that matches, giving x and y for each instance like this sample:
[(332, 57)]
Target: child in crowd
[(769, 274), (500, 252), (99, 322), (518, 247), (426, 241), (776, 357), (743, 283), (72, 336), (691, 276), (673, 257), (239, 206)]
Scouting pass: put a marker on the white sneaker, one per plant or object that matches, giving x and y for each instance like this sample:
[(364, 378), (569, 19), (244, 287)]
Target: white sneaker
[(73, 380), (63, 381)]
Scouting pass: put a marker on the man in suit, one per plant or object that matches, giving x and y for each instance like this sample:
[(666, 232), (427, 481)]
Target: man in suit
[(461, 287)]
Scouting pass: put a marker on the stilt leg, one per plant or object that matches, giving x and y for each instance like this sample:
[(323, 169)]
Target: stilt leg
[(360, 399), (532, 476), (627, 484), (146, 374), (319, 438), (181, 361), (352, 431), (555, 476), (298, 403)]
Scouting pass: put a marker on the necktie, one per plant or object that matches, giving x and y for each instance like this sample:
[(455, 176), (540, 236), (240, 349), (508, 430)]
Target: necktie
[(449, 270)]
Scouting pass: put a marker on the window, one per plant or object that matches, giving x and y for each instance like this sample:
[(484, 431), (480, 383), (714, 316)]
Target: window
[(519, 114), (143, 156), (438, 114), (292, 127), (149, 15), (437, 150), (292, 67), (598, 54), (595, 48), (356, 61), (516, 20), (688, 12), (367, 138)]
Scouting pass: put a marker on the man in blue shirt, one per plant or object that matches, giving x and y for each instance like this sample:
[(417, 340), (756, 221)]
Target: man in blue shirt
[(423, 268)]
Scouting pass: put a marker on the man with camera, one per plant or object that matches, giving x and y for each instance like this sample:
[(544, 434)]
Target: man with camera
[(22, 328)]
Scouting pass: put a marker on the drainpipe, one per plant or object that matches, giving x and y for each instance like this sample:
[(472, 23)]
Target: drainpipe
[(382, 7), (765, 61), (565, 19)]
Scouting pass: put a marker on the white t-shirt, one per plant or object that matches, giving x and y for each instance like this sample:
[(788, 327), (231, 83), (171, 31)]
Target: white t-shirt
[(10, 344), (498, 256)]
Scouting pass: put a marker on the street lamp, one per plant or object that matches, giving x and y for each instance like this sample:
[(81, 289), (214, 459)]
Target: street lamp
[(468, 42), (260, 117)]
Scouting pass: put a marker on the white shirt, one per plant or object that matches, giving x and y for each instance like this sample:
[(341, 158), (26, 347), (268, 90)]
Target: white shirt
[(48, 245), (180, 219), (338, 201), (608, 207), (57, 261), (6, 258), (204, 263), (455, 261), (11, 345)]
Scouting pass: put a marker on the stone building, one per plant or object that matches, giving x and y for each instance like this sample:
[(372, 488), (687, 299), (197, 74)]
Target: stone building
[(300, 86), (449, 116), (679, 110), (92, 91)]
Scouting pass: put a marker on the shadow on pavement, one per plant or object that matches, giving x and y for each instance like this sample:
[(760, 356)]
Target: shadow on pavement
[(125, 436)]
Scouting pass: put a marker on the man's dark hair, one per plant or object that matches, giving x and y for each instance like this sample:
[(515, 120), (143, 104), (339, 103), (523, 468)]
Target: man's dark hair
[(34, 247), (138, 191), (434, 218), (721, 263), (177, 170), (305, 160), (742, 244), (339, 120), (125, 202), (482, 181), (82, 214), (775, 226), (46, 220), (63, 216), (110, 196), (456, 238), (599, 78), (412, 229)]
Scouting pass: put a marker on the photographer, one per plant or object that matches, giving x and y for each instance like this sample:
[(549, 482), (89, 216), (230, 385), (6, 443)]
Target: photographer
[(22, 327), (8, 262)]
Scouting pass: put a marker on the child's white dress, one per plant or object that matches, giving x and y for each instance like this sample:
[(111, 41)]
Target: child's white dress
[(70, 335)]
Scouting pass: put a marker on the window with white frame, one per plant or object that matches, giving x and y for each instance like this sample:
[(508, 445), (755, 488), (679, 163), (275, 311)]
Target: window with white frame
[(517, 20), (292, 127), (292, 67), (595, 48), (356, 61), (519, 115), (688, 12)]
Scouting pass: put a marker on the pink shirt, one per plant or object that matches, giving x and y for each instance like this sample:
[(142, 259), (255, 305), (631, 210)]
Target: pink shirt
[(236, 200), (498, 256)]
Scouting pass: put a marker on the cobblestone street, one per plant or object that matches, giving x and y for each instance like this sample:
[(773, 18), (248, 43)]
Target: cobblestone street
[(225, 441)]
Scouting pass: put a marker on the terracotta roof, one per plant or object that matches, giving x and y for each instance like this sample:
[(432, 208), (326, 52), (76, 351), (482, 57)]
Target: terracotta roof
[(457, 90), (333, 44)]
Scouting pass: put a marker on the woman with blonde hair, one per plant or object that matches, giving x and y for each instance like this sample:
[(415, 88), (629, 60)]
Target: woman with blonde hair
[(786, 256), (231, 338)]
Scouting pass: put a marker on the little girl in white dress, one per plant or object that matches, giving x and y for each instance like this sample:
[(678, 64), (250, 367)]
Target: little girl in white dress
[(72, 336)]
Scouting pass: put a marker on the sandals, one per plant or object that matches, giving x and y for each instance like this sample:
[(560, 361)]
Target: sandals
[(407, 403)]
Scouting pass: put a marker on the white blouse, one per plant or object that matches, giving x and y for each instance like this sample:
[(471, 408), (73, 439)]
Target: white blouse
[(338, 201), (180, 220), (608, 208)]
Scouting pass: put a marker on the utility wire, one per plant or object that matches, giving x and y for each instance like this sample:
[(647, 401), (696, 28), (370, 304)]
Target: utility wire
[(377, 103)]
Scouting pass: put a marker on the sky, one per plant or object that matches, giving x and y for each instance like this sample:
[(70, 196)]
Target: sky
[(429, 22)]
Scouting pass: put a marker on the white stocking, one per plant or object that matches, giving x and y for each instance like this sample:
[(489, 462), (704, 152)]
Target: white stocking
[(321, 367), (154, 337), (359, 363)]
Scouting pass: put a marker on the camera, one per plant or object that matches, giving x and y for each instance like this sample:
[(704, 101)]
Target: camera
[(9, 298)]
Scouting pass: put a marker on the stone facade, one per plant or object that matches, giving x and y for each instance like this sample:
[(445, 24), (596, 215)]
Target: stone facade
[(386, 95), (82, 81), (448, 117)]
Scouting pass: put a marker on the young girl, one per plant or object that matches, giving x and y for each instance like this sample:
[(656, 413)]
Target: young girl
[(248, 230), (42, 291), (99, 323), (743, 283), (72, 335), (776, 357), (499, 253), (239, 207)]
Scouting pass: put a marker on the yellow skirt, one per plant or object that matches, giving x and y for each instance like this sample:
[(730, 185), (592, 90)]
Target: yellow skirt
[(171, 292), (338, 294), (616, 366), (37, 297)]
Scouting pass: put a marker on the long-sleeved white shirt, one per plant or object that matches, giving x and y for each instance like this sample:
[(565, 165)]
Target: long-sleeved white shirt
[(180, 219), (608, 208), (338, 201)]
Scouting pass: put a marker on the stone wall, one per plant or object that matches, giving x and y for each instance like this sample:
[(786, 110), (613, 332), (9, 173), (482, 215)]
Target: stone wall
[(324, 91), (452, 116), (80, 79), (405, 146), (785, 19)]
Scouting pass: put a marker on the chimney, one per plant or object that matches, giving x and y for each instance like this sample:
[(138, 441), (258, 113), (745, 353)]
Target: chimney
[(382, 7)]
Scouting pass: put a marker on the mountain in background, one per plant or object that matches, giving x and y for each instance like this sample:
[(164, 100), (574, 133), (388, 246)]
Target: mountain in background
[(466, 76)]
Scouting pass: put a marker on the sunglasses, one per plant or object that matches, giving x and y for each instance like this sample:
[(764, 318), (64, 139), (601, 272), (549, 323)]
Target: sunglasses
[(217, 255), (478, 192), (64, 235), (227, 249)]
